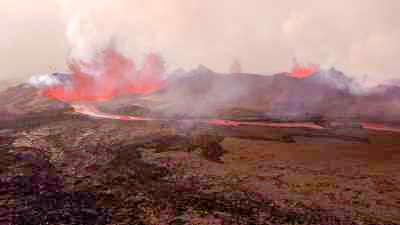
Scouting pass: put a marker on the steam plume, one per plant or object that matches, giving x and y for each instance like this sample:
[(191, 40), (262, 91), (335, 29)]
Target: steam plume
[(361, 38)]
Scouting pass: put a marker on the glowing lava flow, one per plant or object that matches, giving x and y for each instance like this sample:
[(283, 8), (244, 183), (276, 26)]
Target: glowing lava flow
[(93, 112), (220, 122), (379, 127), (109, 75)]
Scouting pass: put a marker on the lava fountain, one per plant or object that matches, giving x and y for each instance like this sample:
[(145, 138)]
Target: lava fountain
[(110, 74), (302, 71)]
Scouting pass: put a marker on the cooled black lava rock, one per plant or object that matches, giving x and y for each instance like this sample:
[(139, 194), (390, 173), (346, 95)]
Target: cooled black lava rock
[(38, 197)]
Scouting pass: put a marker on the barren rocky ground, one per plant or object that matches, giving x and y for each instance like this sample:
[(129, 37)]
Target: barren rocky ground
[(58, 167), (61, 167)]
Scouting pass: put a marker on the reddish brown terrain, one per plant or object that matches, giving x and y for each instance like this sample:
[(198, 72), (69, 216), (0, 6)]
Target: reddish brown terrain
[(289, 151)]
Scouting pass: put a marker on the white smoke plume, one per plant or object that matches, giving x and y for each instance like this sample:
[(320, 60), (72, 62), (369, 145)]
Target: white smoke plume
[(43, 81), (265, 35), (358, 38), (85, 37)]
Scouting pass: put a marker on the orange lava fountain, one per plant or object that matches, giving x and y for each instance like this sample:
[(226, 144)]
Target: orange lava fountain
[(301, 71), (109, 75)]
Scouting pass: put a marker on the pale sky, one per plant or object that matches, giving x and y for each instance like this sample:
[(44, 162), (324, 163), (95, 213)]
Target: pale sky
[(357, 36)]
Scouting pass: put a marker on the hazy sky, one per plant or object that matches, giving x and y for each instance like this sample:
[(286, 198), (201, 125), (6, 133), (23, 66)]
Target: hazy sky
[(357, 36)]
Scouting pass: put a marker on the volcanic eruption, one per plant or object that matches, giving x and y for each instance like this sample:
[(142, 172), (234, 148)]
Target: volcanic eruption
[(108, 75), (301, 71), (123, 137)]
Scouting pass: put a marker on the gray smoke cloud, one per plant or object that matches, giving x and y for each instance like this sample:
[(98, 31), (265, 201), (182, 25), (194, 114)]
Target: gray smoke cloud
[(360, 38)]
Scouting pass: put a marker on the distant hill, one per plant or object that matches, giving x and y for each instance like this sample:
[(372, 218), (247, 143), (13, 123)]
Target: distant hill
[(6, 83), (23, 99), (329, 93)]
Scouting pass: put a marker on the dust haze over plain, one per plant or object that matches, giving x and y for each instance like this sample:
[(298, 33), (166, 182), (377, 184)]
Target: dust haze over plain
[(360, 37)]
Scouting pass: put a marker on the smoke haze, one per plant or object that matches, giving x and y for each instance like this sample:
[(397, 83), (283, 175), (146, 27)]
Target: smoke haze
[(360, 38)]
